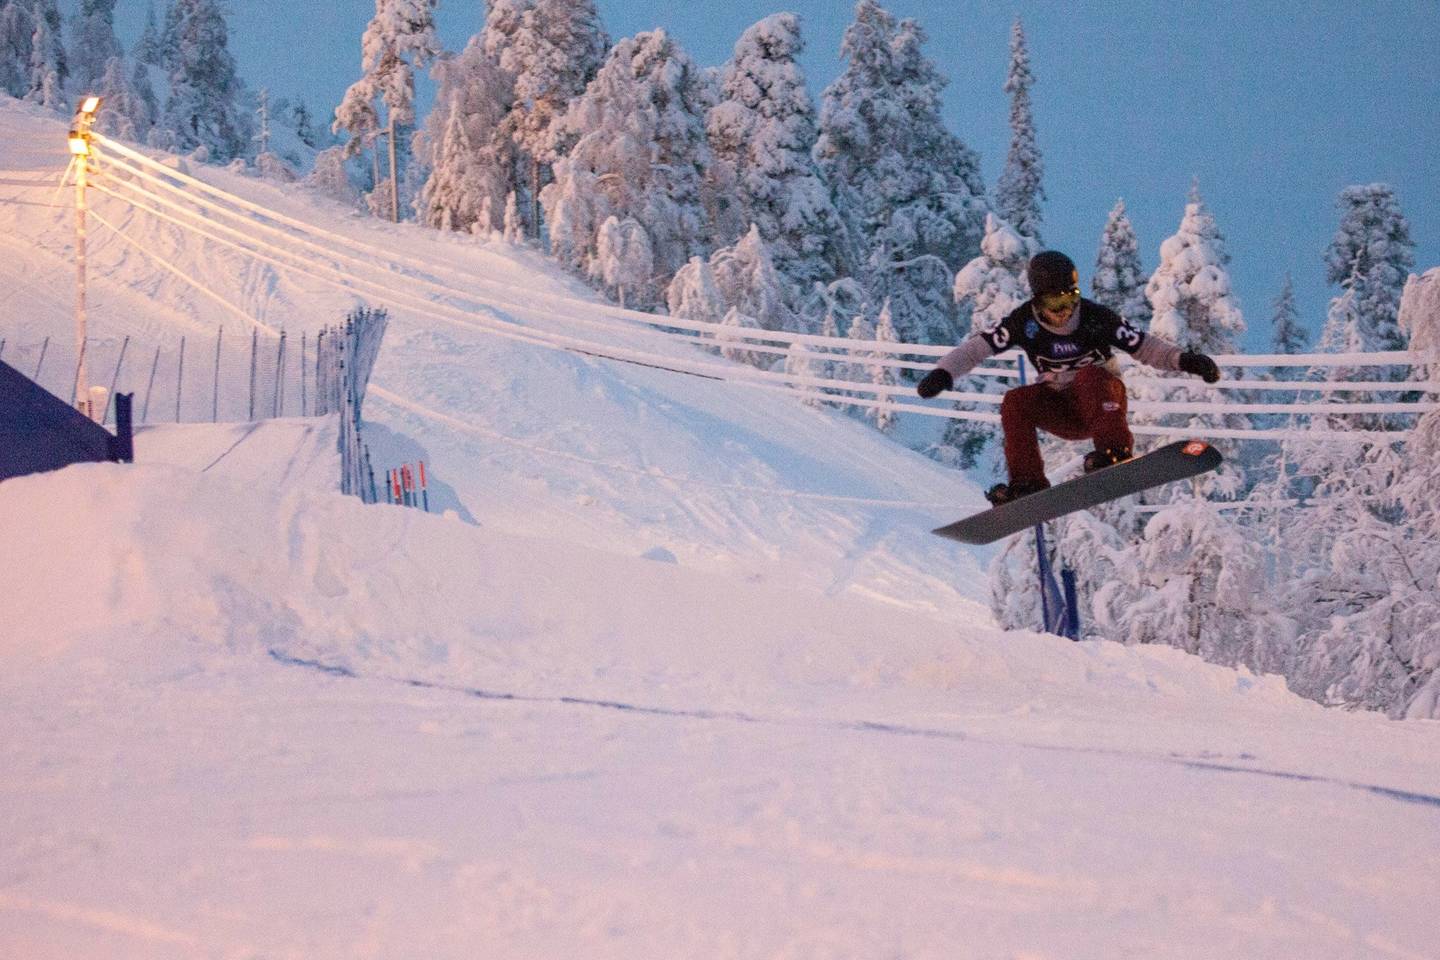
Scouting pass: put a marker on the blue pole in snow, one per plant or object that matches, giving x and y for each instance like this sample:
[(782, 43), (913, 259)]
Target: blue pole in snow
[(1051, 609)]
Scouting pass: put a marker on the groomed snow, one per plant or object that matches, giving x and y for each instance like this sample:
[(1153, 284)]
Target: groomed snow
[(680, 674)]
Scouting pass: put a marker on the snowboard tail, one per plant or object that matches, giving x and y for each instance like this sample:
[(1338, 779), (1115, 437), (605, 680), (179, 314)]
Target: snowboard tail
[(1176, 461)]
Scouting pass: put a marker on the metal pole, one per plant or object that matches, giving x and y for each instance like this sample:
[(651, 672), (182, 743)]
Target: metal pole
[(254, 346), (179, 379), (79, 370), (215, 395), (45, 345), (394, 179), (302, 374), (82, 167), (145, 410), (279, 393)]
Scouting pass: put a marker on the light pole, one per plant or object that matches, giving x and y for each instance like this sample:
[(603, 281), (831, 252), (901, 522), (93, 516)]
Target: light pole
[(79, 140)]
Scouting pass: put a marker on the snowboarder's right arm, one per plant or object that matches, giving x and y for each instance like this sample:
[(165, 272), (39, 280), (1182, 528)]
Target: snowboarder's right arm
[(979, 346)]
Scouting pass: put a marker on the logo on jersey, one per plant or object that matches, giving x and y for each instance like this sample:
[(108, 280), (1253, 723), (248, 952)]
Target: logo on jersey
[(1051, 364), (1065, 348), (1032, 330)]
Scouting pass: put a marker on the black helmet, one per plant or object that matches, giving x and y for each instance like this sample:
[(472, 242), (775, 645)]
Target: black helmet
[(1052, 272)]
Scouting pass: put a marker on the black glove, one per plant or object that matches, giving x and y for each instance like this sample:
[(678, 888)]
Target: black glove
[(1199, 365), (934, 383)]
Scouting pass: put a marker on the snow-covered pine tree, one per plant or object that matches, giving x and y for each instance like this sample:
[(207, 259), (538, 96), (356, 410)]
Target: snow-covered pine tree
[(989, 287), (763, 131), (802, 364), (693, 295), (1287, 336), (399, 39), (639, 153), (148, 48), (884, 416), (92, 44), (470, 159), (1119, 280), (552, 49), (624, 259), (47, 80), (1369, 258), (16, 30), (129, 102), (1192, 583), (1019, 191), (203, 112), (906, 187), (1193, 306), (331, 177)]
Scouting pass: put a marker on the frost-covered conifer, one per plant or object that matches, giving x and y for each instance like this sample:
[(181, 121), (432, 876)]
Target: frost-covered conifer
[(906, 186), (693, 295), (470, 160), (1190, 292), (1020, 190), (399, 39), (763, 131), (16, 29), (639, 153), (330, 176), (1369, 258), (802, 364), (624, 259), (1286, 334), (1119, 280), (47, 80), (746, 277), (129, 102), (203, 111), (552, 49), (92, 43), (148, 47), (884, 416), (1194, 307), (1191, 583)]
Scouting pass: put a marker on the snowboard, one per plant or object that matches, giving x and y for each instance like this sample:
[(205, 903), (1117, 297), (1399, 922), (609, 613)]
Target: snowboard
[(1176, 461)]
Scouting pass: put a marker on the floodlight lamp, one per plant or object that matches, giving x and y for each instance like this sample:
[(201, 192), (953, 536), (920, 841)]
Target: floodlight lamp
[(89, 105), (79, 144)]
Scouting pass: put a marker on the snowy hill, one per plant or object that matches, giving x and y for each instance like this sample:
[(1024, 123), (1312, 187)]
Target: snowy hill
[(680, 674)]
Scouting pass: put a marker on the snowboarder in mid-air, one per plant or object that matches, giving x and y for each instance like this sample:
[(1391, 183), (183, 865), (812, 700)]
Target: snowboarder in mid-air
[(1078, 394)]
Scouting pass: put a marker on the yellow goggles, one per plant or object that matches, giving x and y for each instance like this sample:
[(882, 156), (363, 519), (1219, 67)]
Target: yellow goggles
[(1064, 300)]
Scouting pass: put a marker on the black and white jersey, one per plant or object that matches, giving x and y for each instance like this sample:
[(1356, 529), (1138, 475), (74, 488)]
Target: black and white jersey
[(1089, 338)]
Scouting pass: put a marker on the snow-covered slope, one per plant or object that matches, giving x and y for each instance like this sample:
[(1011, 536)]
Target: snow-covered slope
[(694, 682)]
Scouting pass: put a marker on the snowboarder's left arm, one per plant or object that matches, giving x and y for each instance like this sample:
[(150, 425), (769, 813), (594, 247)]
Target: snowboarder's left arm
[(1161, 354)]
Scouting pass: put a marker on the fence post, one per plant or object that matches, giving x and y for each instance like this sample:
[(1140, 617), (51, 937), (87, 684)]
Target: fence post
[(279, 392), (1072, 604), (180, 379), (215, 393), (302, 374), (145, 411), (114, 380), (254, 345), (79, 366)]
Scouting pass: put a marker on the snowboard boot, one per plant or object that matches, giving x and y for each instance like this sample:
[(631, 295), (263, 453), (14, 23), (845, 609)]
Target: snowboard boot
[(1003, 493), (1108, 457)]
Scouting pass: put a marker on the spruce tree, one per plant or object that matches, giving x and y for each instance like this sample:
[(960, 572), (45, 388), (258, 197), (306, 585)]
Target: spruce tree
[(1019, 191), (47, 62), (16, 30), (1119, 280), (202, 112), (639, 153), (906, 187), (470, 159), (93, 43), (552, 49), (148, 49), (399, 39), (1369, 258), (763, 131)]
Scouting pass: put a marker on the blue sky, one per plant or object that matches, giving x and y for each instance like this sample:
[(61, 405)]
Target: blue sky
[(1275, 105)]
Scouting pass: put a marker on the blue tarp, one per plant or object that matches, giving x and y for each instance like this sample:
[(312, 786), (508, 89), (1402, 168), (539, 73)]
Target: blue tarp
[(39, 431)]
